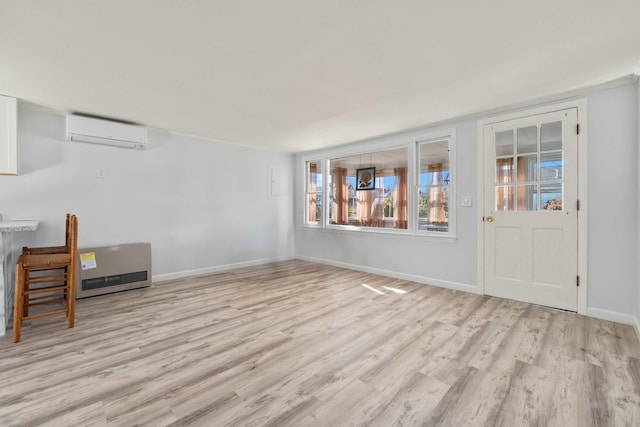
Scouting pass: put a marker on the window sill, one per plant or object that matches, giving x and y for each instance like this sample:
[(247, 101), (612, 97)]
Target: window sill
[(382, 232)]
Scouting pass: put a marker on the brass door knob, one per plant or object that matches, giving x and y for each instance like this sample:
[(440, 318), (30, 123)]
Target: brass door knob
[(489, 219)]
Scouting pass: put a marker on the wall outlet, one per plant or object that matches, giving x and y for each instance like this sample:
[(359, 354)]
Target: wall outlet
[(466, 201)]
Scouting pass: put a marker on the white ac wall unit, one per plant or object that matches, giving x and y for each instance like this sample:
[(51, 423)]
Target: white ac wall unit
[(105, 132)]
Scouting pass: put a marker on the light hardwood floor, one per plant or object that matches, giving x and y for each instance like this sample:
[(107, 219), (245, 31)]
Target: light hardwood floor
[(297, 343)]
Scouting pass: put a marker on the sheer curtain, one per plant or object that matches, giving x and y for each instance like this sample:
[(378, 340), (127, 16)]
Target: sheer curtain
[(436, 196), (370, 205), (340, 208), (524, 193), (400, 198), (363, 207), (313, 170)]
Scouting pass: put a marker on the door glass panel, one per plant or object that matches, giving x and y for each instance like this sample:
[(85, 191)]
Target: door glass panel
[(527, 166), (538, 174), (528, 197), (504, 171), (504, 143), (551, 166), (528, 139), (551, 197), (551, 136), (504, 198)]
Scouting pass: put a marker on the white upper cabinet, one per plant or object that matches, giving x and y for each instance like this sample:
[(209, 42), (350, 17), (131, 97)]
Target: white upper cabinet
[(8, 136)]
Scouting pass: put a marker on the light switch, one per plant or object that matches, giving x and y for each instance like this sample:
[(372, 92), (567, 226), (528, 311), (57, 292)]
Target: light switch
[(99, 173), (466, 201)]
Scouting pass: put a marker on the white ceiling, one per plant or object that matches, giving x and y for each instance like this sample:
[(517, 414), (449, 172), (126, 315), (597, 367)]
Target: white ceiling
[(295, 75)]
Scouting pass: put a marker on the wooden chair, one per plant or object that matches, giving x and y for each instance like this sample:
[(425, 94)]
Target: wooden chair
[(46, 276)]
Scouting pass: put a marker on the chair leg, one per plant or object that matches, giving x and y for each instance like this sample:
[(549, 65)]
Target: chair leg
[(18, 302)]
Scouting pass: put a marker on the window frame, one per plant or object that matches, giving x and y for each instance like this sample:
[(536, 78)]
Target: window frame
[(411, 143), (352, 227), (451, 187), (307, 183)]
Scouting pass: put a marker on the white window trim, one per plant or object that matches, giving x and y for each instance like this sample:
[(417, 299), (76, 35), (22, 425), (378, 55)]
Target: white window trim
[(305, 192), (453, 201), (409, 141)]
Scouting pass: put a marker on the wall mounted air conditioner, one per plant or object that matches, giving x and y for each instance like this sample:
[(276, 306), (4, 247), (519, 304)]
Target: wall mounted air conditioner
[(106, 132), (108, 269)]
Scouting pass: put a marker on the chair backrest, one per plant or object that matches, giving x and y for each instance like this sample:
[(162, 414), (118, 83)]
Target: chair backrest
[(67, 236), (72, 233)]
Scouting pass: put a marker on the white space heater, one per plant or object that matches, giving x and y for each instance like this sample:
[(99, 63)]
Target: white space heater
[(108, 269)]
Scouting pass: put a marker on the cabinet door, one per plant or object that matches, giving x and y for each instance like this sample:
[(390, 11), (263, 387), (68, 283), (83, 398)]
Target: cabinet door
[(8, 136)]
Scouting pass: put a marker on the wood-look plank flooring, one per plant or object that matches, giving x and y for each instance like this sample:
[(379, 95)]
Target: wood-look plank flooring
[(297, 343)]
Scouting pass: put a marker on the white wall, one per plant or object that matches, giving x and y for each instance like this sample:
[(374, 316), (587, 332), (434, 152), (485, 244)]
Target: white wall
[(203, 205), (613, 217), (613, 201)]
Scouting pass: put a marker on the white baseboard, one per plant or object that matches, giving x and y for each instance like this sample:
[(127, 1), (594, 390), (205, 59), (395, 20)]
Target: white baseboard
[(217, 268), (614, 316), (396, 275)]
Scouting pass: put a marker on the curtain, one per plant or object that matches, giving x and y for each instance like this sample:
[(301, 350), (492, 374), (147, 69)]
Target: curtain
[(506, 200), (524, 192), (504, 175), (370, 206), (400, 198), (363, 207), (340, 208), (436, 196), (313, 169)]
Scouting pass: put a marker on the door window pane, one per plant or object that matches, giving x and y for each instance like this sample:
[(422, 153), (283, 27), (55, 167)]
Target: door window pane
[(528, 197), (504, 143), (504, 171), (551, 166), (527, 166), (551, 136), (504, 197), (528, 140), (551, 197)]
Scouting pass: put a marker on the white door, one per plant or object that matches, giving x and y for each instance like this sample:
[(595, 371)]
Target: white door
[(530, 209)]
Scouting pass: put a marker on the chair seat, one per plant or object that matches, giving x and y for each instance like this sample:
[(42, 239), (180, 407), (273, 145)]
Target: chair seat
[(45, 250)]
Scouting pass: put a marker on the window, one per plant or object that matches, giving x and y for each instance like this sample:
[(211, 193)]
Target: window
[(385, 206), (528, 171), (405, 187), (313, 192), (434, 178)]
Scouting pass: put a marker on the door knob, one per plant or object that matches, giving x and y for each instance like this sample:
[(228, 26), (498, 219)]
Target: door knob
[(489, 219)]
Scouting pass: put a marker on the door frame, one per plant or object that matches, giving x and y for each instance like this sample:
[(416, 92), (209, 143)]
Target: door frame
[(581, 106)]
